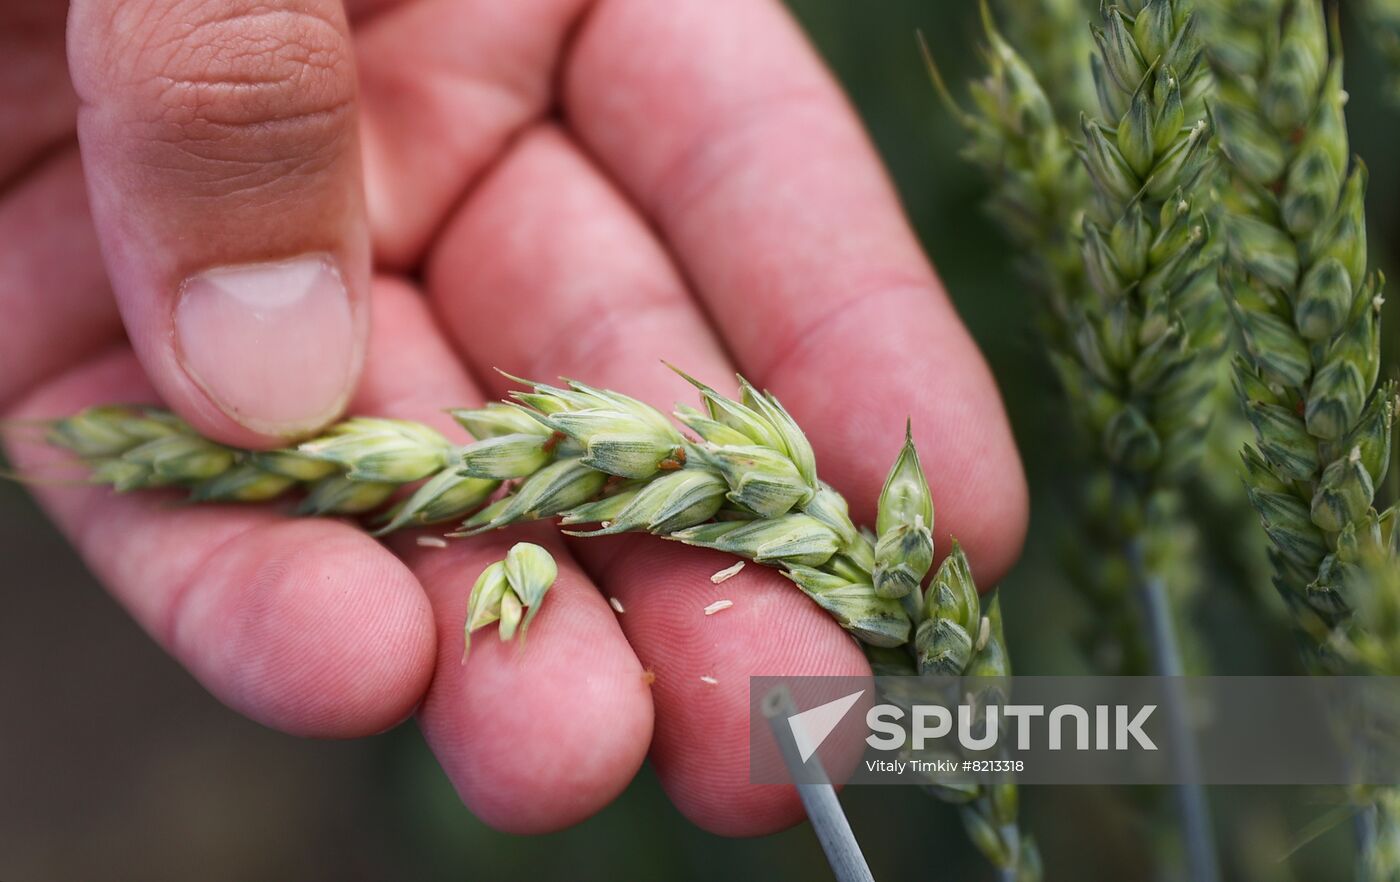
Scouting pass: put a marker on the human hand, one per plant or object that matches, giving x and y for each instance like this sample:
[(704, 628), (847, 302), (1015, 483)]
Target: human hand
[(553, 187)]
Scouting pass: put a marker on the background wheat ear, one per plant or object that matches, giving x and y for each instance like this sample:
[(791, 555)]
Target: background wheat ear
[(1308, 313), (1123, 251)]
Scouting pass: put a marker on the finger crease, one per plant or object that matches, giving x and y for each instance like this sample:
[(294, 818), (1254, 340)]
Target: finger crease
[(808, 338)]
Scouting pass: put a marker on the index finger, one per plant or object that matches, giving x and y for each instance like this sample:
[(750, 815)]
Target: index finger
[(774, 200)]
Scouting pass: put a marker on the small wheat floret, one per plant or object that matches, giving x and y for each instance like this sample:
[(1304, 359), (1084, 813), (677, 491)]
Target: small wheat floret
[(727, 573), (717, 606), (984, 632)]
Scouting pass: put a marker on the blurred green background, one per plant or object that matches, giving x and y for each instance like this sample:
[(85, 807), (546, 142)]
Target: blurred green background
[(114, 764)]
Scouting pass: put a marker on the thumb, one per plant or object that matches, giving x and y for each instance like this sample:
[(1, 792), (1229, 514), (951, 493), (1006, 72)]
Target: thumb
[(220, 150)]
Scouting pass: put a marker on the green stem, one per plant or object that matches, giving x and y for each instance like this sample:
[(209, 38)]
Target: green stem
[(1365, 827), (818, 797), (1193, 809)]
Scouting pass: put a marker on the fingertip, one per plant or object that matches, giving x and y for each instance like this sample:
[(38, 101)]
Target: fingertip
[(309, 627), (993, 509), (704, 756), (539, 736), (981, 497), (703, 664)]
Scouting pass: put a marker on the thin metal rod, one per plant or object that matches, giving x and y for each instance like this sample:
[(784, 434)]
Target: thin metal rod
[(1192, 807), (818, 796)]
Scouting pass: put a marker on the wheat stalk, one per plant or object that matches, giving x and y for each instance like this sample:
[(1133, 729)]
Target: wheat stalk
[(1135, 324), (1089, 319), (746, 483), (1309, 314), (1038, 192), (1148, 338)]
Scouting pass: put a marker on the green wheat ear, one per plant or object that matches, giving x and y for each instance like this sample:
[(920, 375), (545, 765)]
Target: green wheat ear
[(1308, 313), (1117, 235), (745, 484)]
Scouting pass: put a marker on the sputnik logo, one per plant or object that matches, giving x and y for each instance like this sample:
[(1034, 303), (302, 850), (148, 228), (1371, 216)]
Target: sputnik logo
[(811, 727)]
